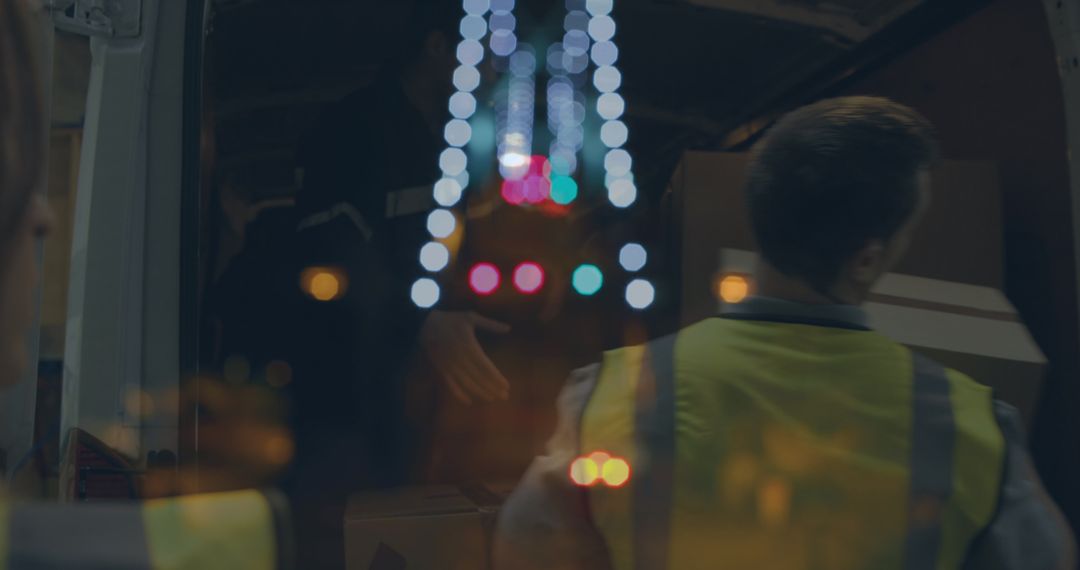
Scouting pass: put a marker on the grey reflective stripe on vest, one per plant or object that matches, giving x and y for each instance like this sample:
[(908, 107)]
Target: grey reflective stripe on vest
[(79, 537), (409, 201), (933, 436), (340, 209), (654, 482)]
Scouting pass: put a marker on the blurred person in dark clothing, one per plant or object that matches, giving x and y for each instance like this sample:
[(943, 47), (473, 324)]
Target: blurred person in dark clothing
[(248, 278), (368, 170), (369, 166)]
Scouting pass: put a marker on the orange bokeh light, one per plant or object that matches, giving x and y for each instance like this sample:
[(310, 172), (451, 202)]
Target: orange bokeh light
[(600, 467), (600, 457), (733, 288), (323, 284)]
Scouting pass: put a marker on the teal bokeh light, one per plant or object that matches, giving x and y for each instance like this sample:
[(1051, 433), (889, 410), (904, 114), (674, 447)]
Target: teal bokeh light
[(563, 190), (587, 279)]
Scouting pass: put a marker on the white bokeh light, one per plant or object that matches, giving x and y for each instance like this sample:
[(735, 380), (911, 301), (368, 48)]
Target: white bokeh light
[(457, 133), (573, 113), (476, 7), (514, 160), (614, 134), (555, 55), (610, 106), (605, 53), (447, 192), (622, 193), (563, 159), (576, 43), (470, 52), (633, 257), (452, 161), (462, 105), (441, 223), (425, 293), (599, 7), (560, 88), (503, 42), (640, 294), (461, 178), (502, 5), (602, 28), (576, 20), (617, 162), (473, 27), (522, 63), (434, 256), (610, 178), (575, 63), (607, 79), (466, 78), (502, 20)]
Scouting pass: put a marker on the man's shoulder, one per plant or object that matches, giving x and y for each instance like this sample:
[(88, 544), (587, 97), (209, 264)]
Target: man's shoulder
[(361, 115), (962, 387), (636, 354)]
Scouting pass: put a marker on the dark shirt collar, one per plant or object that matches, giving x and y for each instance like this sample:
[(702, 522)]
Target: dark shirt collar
[(779, 310)]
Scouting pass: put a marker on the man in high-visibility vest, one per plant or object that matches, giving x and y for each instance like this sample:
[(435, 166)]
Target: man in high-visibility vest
[(785, 434)]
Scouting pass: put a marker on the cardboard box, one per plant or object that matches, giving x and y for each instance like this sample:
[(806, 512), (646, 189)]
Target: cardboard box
[(422, 527), (944, 299), (969, 328)]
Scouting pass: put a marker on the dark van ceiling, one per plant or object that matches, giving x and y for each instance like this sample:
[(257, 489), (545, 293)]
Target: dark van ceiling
[(697, 73)]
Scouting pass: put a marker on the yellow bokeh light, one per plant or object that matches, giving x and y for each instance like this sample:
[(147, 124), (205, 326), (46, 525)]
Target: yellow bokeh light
[(733, 288), (323, 284), (584, 472), (616, 472), (774, 502)]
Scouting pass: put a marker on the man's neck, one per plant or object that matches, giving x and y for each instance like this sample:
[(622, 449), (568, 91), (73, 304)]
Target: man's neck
[(772, 283)]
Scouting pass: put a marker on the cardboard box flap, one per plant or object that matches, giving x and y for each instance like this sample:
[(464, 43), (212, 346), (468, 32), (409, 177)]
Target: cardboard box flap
[(409, 502)]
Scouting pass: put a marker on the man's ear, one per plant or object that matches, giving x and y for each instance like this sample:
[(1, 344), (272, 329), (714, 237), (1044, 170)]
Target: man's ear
[(867, 265)]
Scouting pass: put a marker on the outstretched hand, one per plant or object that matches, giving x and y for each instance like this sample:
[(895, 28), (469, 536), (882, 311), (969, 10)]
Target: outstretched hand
[(449, 340)]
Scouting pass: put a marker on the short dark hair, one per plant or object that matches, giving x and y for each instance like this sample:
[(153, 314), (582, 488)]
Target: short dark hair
[(22, 126), (428, 17), (830, 176)]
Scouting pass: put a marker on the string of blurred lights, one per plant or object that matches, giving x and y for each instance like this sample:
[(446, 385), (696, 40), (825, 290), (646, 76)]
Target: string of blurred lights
[(528, 179), (618, 165), (441, 223)]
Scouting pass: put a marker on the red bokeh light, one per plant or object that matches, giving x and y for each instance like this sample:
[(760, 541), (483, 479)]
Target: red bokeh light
[(484, 278), (513, 191), (533, 187), (528, 278), (539, 166), (537, 189)]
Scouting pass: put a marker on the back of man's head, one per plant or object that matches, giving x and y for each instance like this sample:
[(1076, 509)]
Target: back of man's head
[(427, 18), (832, 176)]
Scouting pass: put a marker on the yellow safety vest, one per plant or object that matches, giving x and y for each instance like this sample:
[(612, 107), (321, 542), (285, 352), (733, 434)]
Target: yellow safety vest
[(776, 445), (239, 530)]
